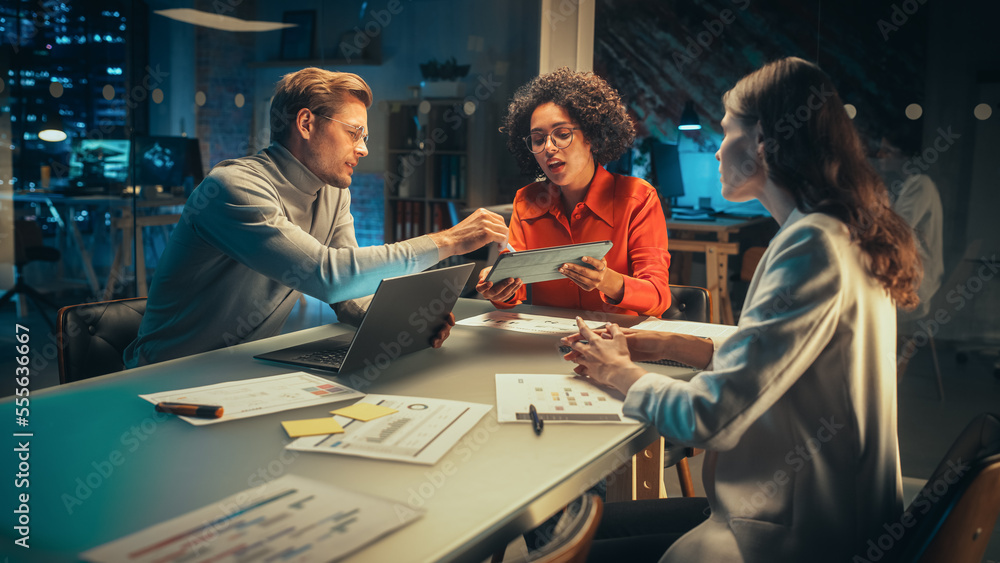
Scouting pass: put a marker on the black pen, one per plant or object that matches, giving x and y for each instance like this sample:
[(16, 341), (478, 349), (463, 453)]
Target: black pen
[(536, 421)]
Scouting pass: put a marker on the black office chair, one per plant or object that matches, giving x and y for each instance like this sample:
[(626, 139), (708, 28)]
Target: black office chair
[(689, 303), (93, 336), (952, 517), (29, 247), (693, 304)]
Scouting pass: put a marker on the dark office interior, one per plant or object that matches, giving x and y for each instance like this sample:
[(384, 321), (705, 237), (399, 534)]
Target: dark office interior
[(113, 112)]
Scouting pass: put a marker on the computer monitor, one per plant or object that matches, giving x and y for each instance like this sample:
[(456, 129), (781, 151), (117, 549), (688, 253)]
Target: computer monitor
[(98, 163), (621, 166), (167, 161), (667, 170)]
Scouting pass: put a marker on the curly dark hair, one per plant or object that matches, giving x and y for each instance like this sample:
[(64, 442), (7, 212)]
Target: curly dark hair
[(590, 101)]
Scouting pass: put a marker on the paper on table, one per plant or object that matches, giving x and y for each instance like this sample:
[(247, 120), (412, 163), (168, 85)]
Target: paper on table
[(557, 398), (318, 522), (421, 432), (312, 427), (521, 322), (364, 411), (263, 395), (704, 330)]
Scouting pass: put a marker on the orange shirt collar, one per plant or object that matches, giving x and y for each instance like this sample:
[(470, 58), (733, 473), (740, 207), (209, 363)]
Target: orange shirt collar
[(600, 198)]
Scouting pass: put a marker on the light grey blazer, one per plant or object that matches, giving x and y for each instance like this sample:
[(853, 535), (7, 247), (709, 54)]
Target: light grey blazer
[(798, 410)]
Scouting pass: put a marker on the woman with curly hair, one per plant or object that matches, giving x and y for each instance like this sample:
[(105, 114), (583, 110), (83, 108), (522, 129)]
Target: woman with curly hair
[(797, 409), (564, 126)]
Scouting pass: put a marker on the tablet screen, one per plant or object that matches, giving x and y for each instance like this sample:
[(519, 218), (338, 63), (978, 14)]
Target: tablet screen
[(543, 264)]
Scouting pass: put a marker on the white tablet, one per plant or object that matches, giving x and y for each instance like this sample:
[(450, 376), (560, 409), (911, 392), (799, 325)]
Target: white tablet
[(542, 264)]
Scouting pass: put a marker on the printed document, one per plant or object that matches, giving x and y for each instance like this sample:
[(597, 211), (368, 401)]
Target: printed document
[(557, 398), (422, 431), (289, 519), (521, 322), (263, 395)]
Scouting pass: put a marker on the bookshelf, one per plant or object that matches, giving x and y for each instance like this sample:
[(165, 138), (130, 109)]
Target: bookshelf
[(427, 166)]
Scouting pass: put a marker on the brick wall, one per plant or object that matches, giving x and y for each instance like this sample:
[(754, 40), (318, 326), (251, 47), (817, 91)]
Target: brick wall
[(222, 71)]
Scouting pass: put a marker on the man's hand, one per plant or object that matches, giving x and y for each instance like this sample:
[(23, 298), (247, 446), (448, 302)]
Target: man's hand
[(475, 231), (604, 356), (599, 277), (444, 331), (500, 291)]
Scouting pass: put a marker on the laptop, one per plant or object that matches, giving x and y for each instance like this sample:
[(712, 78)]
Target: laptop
[(403, 317)]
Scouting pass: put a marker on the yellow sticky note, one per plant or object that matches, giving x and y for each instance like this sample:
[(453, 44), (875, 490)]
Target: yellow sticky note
[(312, 427), (364, 411)]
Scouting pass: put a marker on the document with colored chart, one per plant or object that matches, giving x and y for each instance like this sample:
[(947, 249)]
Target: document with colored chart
[(422, 430), (288, 519), (254, 397), (557, 398)]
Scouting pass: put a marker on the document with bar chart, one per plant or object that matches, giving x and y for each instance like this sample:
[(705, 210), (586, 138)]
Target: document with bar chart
[(557, 398), (422, 431), (289, 519)]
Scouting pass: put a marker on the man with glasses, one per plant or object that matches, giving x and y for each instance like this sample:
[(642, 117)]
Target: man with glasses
[(260, 230)]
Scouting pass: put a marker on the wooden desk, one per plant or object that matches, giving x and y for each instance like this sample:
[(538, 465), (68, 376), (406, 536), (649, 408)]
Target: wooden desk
[(128, 221), (104, 464), (717, 253), (131, 226)]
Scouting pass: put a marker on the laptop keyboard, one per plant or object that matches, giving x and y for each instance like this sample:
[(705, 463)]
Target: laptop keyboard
[(332, 358)]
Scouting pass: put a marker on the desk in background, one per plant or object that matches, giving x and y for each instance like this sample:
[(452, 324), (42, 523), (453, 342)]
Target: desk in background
[(103, 464), (717, 253), (129, 216)]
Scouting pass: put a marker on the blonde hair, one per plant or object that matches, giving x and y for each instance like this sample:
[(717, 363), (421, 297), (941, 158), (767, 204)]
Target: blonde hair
[(321, 91)]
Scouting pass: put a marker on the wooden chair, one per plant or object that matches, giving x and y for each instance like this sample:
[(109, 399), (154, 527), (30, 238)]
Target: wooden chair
[(574, 534), (952, 517), (93, 336)]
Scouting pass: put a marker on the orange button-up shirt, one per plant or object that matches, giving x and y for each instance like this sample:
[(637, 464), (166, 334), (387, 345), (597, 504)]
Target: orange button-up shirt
[(622, 209)]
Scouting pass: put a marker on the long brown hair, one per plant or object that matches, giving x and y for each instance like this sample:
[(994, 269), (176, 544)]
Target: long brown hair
[(812, 150)]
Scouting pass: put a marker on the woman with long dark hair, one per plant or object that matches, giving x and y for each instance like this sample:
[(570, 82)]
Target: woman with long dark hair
[(796, 410)]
